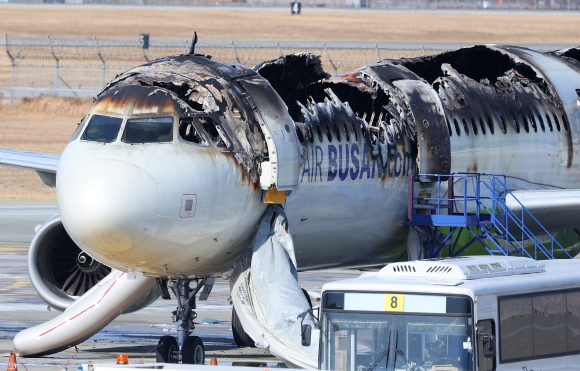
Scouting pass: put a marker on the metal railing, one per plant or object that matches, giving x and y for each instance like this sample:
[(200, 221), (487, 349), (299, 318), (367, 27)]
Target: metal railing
[(481, 210)]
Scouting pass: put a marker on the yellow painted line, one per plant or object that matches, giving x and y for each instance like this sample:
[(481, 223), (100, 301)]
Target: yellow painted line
[(16, 285), (13, 249)]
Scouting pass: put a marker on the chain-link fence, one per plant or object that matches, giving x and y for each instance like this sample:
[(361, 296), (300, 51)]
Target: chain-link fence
[(81, 67)]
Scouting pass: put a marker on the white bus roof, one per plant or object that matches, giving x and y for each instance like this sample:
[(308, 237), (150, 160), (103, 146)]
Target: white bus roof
[(469, 275)]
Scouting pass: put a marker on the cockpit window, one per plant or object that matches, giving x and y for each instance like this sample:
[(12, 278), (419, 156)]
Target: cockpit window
[(79, 128), (216, 133), (102, 129), (148, 130), (188, 131)]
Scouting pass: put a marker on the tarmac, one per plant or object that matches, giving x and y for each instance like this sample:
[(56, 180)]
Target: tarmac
[(135, 334)]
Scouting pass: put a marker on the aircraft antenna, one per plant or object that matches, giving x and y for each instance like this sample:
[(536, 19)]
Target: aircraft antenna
[(193, 42)]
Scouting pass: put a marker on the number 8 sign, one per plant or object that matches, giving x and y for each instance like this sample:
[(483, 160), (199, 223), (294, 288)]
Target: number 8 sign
[(394, 302)]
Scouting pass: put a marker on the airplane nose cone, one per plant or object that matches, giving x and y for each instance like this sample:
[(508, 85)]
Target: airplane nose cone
[(108, 206)]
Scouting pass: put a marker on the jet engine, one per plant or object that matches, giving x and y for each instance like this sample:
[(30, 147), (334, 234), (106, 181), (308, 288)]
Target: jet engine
[(61, 272)]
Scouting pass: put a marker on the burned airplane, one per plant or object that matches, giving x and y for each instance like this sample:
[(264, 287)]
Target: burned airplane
[(170, 175)]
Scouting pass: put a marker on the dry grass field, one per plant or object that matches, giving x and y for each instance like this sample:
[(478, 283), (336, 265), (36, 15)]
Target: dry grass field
[(278, 24), (45, 124)]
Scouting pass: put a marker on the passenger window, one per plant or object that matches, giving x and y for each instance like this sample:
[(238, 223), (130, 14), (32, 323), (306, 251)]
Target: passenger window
[(474, 126), (337, 132), (319, 132), (526, 125), (216, 134), (516, 329), (465, 127), (346, 134), (516, 124), (456, 127), (490, 124), (354, 133), (328, 134), (557, 122), (310, 133), (299, 134), (541, 123), (565, 122), (485, 332), (533, 121), (102, 129), (549, 122), (449, 128), (502, 125), (148, 130), (188, 132)]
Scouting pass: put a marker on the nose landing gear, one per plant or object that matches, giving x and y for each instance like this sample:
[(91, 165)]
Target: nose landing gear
[(185, 349)]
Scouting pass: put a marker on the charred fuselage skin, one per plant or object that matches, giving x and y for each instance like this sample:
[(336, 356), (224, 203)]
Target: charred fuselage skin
[(190, 206)]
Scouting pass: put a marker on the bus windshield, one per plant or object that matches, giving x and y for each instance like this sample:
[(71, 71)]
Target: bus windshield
[(364, 341)]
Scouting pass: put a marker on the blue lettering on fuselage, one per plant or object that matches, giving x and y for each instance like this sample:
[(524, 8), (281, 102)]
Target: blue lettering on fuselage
[(349, 161)]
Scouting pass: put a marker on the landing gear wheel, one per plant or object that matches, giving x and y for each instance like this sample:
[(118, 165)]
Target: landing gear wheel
[(192, 352), (241, 339), (166, 350)]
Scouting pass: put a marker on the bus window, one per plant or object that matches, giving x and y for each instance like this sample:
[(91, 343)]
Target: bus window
[(485, 333), (550, 329), (573, 315), (516, 329)]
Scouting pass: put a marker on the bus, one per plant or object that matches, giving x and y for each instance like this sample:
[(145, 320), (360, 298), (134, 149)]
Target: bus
[(481, 313)]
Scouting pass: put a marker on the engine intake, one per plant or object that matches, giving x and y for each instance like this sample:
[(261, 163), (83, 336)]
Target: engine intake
[(59, 270)]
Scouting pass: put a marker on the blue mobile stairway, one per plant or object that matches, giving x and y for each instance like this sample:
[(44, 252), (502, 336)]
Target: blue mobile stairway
[(476, 203)]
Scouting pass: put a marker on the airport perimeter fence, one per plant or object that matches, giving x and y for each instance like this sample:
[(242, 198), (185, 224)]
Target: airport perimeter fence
[(82, 67), (372, 4)]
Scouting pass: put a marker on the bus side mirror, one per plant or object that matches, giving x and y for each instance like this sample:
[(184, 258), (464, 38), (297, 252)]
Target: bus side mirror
[(306, 335), (488, 342)]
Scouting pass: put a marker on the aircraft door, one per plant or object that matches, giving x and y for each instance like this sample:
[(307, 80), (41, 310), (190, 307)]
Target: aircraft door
[(281, 170), (434, 147)]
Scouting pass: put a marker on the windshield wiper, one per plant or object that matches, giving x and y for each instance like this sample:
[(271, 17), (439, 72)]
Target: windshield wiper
[(410, 365), (380, 356)]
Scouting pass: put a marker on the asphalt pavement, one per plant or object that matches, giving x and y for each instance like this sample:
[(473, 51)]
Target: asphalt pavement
[(135, 334)]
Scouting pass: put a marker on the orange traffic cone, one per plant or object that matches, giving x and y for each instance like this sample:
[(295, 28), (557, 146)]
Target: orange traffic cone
[(213, 361), (12, 362)]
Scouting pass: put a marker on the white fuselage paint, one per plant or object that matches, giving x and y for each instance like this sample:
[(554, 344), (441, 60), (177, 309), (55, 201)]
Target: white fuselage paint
[(124, 204)]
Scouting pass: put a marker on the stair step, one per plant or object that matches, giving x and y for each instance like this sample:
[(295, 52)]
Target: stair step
[(484, 214), (496, 237), (510, 251)]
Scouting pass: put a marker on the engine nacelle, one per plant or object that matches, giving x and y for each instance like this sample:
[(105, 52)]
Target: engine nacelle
[(60, 271)]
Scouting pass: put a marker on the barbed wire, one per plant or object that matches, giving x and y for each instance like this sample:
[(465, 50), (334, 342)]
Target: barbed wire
[(80, 67), (96, 53)]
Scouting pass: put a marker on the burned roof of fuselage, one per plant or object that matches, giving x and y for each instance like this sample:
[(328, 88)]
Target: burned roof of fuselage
[(195, 86), (194, 79), (482, 83)]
